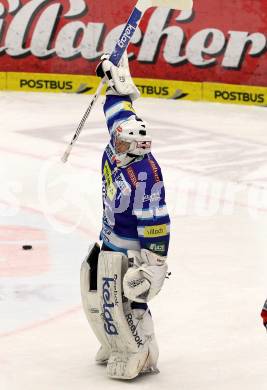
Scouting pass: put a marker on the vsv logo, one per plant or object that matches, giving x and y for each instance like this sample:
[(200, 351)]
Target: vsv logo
[(109, 326)]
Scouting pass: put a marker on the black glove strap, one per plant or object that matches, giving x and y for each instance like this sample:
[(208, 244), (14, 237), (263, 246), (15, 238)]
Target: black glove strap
[(99, 71)]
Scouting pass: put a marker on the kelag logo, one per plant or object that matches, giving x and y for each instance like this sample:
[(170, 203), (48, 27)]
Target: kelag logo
[(126, 36), (109, 326)]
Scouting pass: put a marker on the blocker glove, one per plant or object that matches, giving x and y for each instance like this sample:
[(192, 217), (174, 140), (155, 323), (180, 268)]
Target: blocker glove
[(118, 78), (145, 278)]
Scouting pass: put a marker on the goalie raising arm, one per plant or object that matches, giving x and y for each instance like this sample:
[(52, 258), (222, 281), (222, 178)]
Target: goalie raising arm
[(137, 216), (135, 231), (142, 226)]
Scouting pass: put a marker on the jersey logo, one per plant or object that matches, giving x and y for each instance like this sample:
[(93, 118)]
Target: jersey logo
[(157, 247), (154, 197), (155, 231), (154, 170), (110, 154), (132, 176), (122, 184), (111, 189)]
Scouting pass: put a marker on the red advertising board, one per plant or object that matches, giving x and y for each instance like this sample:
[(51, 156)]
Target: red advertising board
[(220, 41)]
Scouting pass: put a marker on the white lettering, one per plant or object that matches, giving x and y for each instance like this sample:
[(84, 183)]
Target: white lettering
[(68, 35), (238, 46), (154, 33), (77, 7), (209, 41), (43, 31), (17, 32), (13, 5), (34, 29)]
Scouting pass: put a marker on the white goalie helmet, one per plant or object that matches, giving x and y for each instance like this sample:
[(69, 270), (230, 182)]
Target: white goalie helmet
[(131, 140)]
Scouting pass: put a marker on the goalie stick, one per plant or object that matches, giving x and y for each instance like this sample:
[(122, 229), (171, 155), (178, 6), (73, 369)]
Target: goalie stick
[(121, 45)]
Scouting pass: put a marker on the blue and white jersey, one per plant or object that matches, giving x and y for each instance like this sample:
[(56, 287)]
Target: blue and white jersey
[(135, 215)]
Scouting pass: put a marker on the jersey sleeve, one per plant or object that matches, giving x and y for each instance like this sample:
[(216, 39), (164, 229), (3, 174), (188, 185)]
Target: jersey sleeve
[(117, 109), (153, 221)]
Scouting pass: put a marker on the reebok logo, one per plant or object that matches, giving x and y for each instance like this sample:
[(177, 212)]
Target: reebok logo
[(132, 327)]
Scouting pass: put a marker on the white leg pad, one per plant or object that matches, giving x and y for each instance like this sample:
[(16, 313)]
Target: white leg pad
[(125, 365), (92, 309), (125, 334), (147, 326), (129, 346)]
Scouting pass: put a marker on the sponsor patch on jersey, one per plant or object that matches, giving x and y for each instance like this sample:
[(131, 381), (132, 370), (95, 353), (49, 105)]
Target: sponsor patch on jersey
[(110, 154), (155, 170), (157, 247), (155, 231), (111, 189), (122, 184), (154, 197), (132, 176)]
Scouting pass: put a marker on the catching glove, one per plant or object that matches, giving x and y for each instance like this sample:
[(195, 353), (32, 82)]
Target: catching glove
[(145, 278)]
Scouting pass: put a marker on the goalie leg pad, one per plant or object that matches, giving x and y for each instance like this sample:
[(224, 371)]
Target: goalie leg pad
[(119, 328), (128, 342), (147, 325), (91, 302), (125, 365)]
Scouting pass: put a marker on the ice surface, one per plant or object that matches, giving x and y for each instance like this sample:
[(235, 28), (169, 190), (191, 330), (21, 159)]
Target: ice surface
[(214, 160)]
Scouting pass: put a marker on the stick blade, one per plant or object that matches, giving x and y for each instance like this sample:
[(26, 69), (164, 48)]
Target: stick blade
[(181, 5), (65, 156)]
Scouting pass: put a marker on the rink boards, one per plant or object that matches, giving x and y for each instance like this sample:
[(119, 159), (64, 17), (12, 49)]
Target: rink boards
[(167, 89)]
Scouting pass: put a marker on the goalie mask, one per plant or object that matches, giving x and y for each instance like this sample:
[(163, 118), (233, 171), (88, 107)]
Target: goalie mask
[(131, 140)]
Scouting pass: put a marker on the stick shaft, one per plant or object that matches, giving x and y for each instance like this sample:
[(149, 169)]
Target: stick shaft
[(87, 112), (82, 122), (134, 20), (126, 36)]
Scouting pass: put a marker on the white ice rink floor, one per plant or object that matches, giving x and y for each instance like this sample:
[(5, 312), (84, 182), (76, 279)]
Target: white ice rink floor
[(214, 160)]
